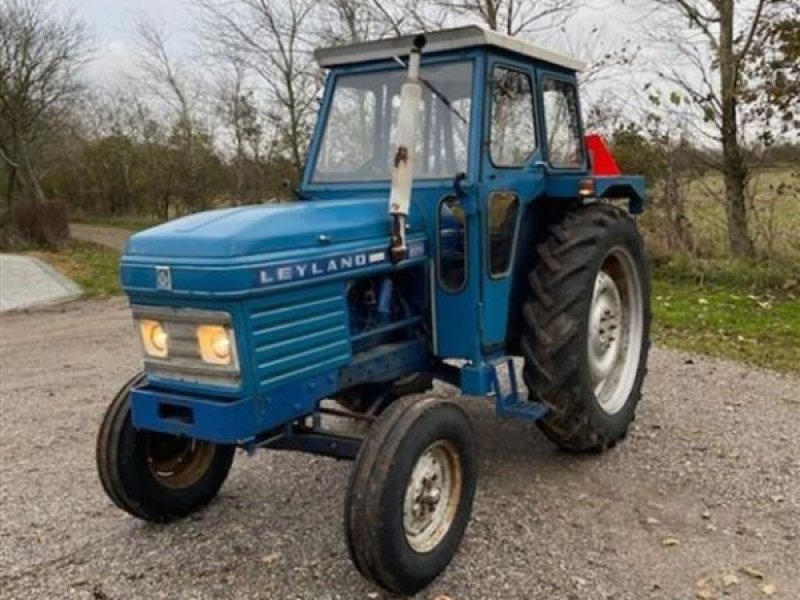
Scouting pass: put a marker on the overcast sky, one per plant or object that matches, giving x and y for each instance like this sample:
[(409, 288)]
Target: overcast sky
[(111, 22)]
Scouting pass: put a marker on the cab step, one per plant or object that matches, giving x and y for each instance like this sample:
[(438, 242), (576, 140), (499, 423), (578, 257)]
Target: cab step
[(509, 404)]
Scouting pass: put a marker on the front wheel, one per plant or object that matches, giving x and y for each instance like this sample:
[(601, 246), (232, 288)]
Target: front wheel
[(410, 494), (155, 476), (587, 328)]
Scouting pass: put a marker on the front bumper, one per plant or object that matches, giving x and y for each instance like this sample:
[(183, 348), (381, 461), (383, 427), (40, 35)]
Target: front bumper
[(235, 421)]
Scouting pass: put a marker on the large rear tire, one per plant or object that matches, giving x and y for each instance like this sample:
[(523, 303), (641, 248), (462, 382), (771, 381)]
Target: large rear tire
[(587, 327), (410, 493), (154, 476)]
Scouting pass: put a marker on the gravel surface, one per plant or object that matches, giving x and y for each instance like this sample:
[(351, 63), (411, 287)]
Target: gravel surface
[(705, 490)]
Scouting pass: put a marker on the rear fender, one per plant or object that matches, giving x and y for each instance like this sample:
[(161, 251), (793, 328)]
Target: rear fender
[(630, 187)]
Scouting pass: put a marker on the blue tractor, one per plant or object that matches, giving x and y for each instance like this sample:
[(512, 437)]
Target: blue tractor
[(452, 215)]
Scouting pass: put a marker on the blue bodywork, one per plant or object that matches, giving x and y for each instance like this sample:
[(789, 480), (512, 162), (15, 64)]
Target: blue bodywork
[(283, 278)]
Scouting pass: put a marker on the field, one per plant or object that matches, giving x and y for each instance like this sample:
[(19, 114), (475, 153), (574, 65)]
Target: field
[(747, 310), (773, 213)]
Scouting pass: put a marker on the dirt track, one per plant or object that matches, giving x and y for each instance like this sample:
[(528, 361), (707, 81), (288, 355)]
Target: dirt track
[(111, 237), (707, 484)]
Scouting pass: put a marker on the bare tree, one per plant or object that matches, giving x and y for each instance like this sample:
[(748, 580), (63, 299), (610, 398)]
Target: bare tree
[(351, 21), (511, 17), (238, 111), (274, 39), (514, 17), (41, 49), (723, 38), (169, 82)]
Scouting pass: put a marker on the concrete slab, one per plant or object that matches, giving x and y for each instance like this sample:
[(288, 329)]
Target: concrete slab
[(26, 282)]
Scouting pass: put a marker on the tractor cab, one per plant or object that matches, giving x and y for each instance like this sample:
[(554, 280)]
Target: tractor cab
[(498, 140)]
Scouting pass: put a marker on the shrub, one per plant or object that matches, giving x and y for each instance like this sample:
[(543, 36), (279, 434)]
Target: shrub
[(43, 222)]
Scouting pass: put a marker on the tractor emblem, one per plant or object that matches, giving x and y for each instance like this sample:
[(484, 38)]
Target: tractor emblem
[(163, 278)]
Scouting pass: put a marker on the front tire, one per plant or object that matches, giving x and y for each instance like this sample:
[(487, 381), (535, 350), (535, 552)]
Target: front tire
[(587, 328), (410, 493), (154, 476)]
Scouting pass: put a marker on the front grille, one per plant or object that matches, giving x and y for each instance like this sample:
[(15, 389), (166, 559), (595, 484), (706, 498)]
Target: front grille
[(184, 362), (299, 334)]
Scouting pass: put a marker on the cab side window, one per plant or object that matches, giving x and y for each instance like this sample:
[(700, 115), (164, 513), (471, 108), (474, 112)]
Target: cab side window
[(513, 136), (562, 123), (452, 244), (503, 214)]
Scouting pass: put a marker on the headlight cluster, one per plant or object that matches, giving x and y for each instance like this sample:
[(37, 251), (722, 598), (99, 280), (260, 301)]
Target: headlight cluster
[(215, 342), (154, 338)]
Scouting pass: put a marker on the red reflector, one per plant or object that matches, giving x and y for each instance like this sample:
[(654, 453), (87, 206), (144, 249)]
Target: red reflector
[(602, 160)]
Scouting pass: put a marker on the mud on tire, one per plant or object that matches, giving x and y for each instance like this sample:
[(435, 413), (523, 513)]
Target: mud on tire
[(562, 357)]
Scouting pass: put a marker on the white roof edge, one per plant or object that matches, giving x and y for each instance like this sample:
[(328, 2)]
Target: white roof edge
[(441, 41)]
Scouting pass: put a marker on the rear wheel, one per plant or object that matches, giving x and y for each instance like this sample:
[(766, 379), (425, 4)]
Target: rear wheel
[(410, 494), (156, 476), (587, 328)]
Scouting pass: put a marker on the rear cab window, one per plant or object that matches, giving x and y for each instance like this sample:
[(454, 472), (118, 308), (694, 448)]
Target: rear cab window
[(562, 123)]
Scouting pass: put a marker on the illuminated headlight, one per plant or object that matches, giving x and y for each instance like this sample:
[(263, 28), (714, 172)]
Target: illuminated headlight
[(154, 338), (216, 344)]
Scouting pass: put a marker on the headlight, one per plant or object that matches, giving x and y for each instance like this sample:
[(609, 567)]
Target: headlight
[(154, 338), (216, 344)]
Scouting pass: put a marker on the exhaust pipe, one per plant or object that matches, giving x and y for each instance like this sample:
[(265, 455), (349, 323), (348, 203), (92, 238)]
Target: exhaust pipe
[(403, 163)]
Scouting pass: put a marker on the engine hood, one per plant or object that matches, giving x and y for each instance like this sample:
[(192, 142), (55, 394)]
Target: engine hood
[(268, 228)]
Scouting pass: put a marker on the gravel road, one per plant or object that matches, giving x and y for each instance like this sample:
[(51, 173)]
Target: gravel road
[(705, 490)]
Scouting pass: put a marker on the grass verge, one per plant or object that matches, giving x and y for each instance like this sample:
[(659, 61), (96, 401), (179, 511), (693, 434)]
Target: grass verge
[(93, 267), (742, 311)]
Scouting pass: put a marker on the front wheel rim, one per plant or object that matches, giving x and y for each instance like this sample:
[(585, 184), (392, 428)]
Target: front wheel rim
[(177, 462), (432, 497), (616, 330)]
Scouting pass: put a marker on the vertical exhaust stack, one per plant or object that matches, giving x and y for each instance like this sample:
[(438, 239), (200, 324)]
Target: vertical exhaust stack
[(403, 163)]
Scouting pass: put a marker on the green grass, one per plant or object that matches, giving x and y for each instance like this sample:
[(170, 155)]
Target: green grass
[(93, 267), (741, 311)]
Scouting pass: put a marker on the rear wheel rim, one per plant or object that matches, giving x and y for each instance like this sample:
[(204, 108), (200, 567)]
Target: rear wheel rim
[(177, 462), (432, 496), (616, 330)]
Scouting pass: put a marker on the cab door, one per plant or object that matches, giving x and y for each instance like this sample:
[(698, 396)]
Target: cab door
[(513, 178)]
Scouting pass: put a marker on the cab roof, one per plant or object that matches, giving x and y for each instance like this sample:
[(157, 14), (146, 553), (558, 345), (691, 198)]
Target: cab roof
[(443, 40)]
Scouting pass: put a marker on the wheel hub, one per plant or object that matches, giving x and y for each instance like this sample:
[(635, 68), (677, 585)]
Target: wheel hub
[(177, 462), (604, 327), (432, 496), (615, 330)]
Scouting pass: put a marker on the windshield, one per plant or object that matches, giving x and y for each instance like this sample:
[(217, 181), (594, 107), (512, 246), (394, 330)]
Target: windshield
[(361, 127)]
